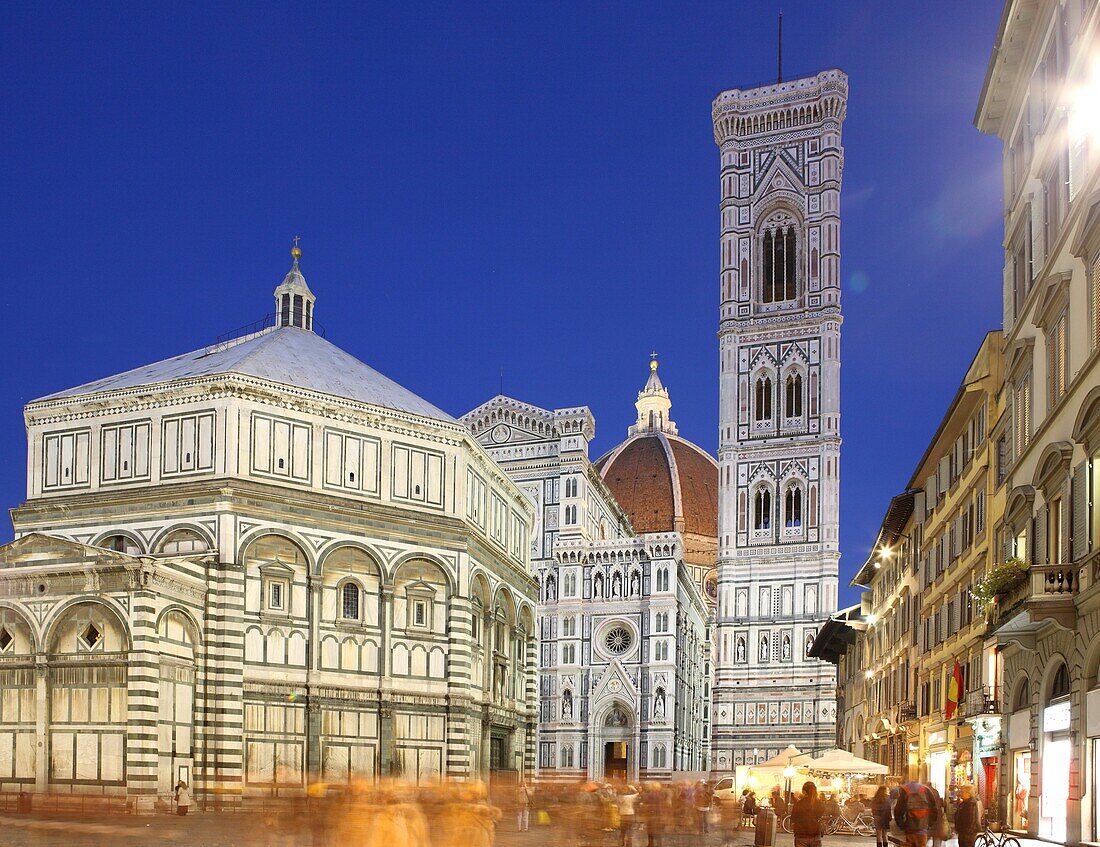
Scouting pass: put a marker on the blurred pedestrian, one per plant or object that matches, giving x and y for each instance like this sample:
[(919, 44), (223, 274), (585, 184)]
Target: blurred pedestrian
[(627, 800), (806, 814), (915, 812), (880, 811), (967, 817), (523, 807), (702, 799)]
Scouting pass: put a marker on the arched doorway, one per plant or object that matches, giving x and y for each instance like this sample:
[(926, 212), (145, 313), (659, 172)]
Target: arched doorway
[(617, 744)]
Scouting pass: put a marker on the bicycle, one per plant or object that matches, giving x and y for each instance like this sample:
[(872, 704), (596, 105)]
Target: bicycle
[(862, 824), (998, 837)]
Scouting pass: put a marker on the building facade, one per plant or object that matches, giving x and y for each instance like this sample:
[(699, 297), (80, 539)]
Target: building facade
[(622, 623), (256, 566), (959, 501), (779, 414), (1040, 98)]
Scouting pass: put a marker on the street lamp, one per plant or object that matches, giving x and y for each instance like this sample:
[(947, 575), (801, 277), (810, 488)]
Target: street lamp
[(788, 774)]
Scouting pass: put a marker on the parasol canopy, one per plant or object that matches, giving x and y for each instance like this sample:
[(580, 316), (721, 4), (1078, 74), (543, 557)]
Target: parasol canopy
[(842, 761), (792, 757)]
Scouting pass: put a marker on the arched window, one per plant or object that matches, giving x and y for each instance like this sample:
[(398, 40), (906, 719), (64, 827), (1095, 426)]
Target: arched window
[(350, 596), (764, 398), (1059, 687), (120, 544), (762, 516), (792, 508), (1023, 696), (793, 407), (780, 263), (184, 541)]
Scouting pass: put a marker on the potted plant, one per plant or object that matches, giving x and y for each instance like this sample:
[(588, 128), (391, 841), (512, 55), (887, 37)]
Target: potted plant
[(999, 581)]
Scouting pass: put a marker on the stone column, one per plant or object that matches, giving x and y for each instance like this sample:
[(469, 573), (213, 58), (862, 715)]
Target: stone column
[(142, 694), (219, 756), (385, 663), (313, 657), (385, 739), (41, 726)]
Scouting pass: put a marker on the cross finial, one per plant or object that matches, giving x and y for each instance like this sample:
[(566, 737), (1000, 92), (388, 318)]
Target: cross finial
[(653, 355), (296, 251)]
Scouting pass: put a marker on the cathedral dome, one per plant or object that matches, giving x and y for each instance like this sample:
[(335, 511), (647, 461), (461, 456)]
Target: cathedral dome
[(664, 482)]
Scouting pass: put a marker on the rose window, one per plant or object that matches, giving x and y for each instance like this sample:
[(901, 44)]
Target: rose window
[(618, 640)]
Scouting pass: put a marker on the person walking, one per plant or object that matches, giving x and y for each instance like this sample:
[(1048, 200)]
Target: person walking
[(880, 811), (702, 806), (523, 807), (915, 812), (627, 800), (183, 798), (968, 817), (806, 816)]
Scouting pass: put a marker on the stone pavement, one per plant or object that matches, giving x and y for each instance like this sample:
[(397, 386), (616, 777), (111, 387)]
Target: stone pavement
[(247, 830)]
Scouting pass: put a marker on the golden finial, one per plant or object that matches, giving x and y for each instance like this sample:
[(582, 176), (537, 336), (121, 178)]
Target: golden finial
[(653, 361), (296, 251)]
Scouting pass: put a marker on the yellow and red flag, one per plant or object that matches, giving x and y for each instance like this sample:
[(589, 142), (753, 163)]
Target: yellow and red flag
[(954, 691)]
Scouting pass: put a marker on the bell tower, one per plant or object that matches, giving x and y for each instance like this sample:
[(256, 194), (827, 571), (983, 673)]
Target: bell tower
[(779, 413)]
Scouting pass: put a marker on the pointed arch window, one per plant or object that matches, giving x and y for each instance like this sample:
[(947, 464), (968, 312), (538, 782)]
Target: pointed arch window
[(762, 513), (780, 265), (793, 406), (792, 507), (764, 398)]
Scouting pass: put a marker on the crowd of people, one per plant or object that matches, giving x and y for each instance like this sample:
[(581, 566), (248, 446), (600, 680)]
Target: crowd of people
[(599, 814)]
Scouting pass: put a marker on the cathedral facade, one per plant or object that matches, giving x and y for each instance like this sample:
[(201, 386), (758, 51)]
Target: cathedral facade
[(779, 415), (257, 566), (624, 647)]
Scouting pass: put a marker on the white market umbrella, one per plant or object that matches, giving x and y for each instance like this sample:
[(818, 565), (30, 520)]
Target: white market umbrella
[(842, 762), (791, 757)]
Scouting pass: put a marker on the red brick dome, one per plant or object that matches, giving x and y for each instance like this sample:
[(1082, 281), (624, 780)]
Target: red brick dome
[(665, 484)]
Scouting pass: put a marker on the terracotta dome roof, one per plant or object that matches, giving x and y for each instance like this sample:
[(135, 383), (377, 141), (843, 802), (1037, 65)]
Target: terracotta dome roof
[(665, 484)]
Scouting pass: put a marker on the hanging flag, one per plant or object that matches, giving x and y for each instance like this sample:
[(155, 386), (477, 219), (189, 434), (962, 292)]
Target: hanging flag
[(954, 691)]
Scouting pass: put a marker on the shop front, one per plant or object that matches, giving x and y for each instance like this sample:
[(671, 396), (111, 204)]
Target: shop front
[(962, 762), (1057, 751), (1092, 732), (987, 755), (1019, 765), (938, 759)]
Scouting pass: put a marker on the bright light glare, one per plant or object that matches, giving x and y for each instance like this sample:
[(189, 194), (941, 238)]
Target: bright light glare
[(885, 552), (1084, 108), (871, 618), (869, 674)]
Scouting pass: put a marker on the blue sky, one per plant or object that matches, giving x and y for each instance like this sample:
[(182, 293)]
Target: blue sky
[(531, 186)]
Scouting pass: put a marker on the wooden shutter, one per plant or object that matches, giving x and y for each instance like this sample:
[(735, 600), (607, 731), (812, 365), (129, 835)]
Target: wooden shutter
[(1038, 243), (1008, 291), (1039, 537), (1079, 528)]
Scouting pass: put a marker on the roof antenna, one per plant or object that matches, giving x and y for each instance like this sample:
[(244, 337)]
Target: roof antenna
[(780, 45)]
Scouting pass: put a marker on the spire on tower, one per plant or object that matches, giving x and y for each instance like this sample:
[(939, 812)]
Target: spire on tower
[(780, 50), (293, 299)]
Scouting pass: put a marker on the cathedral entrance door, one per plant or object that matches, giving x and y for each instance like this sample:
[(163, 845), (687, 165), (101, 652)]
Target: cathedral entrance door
[(615, 760)]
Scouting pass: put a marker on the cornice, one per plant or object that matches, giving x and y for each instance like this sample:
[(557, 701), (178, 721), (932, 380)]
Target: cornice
[(238, 387)]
